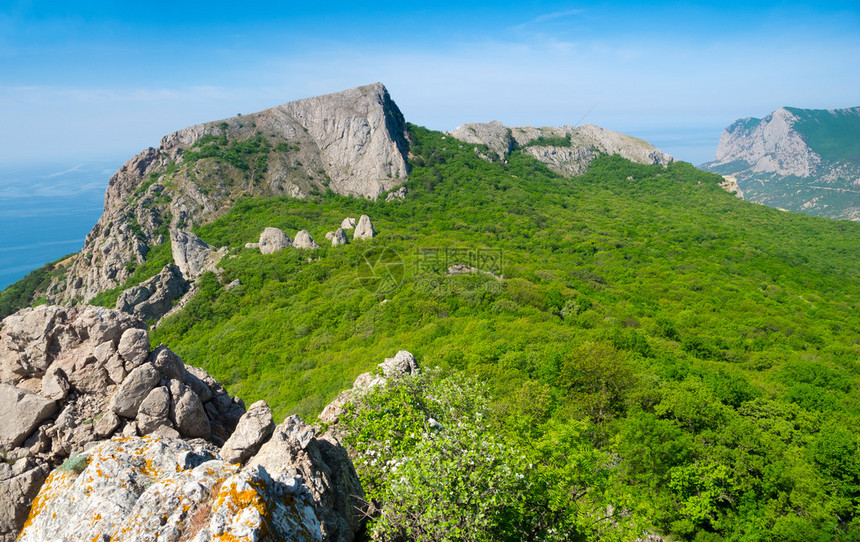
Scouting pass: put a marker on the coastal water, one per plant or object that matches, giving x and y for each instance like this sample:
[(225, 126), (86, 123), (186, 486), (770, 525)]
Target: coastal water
[(46, 210)]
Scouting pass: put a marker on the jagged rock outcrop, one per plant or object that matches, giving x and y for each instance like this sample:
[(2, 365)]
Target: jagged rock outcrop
[(106, 388), (348, 223), (70, 378), (154, 298), (403, 363), (568, 150), (304, 240), (273, 240), (352, 142), (339, 238), (399, 194), (362, 137), (364, 229), (192, 255), (803, 160), (254, 428)]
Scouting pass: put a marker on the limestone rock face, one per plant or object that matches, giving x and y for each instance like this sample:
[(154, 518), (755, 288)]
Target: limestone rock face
[(154, 298), (362, 137), (800, 160), (273, 240), (771, 145), (364, 229), (191, 254), (304, 240), (254, 428), (348, 223), (339, 238), (160, 488), (581, 144)]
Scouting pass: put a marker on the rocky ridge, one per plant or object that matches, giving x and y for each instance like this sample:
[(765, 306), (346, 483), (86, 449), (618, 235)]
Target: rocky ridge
[(138, 435), (352, 142), (567, 150)]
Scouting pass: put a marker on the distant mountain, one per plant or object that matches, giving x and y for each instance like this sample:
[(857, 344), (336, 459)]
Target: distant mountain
[(804, 160)]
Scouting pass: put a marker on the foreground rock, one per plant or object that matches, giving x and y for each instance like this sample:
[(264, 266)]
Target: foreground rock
[(70, 378), (567, 150), (81, 387), (167, 489)]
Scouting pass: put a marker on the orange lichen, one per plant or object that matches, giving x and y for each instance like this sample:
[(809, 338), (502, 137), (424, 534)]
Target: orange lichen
[(52, 488)]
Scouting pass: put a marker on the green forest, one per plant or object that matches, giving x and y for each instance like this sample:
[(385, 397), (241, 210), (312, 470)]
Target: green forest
[(666, 357), (641, 351)]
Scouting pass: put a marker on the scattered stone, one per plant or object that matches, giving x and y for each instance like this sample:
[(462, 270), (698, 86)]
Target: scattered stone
[(253, 429), (348, 223), (273, 240), (403, 363), (154, 298), (252, 245), (168, 364), (330, 235), (133, 390), (18, 488), (399, 194), (339, 238), (364, 229), (20, 413), (189, 416), (107, 424), (134, 346), (304, 240), (55, 384)]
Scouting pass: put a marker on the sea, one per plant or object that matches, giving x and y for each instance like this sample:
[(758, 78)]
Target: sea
[(46, 210)]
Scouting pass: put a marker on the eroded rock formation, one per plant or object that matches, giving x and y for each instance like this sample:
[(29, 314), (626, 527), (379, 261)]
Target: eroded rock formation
[(567, 150)]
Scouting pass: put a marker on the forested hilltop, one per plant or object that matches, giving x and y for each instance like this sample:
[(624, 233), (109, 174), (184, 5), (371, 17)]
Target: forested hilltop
[(626, 353), (664, 357)]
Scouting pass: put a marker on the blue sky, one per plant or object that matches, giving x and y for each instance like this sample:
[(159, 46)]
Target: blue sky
[(89, 80)]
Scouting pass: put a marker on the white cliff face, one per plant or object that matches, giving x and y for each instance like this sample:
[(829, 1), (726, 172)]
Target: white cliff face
[(769, 146), (586, 143), (801, 160), (353, 142), (361, 136)]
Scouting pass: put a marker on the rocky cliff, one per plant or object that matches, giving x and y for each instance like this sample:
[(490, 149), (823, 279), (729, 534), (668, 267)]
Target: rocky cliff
[(567, 150), (796, 159), (352, 142), (145, 446)]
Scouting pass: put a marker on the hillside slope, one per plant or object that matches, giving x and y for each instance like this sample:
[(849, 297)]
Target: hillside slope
[(802, 160), (708, 344)]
